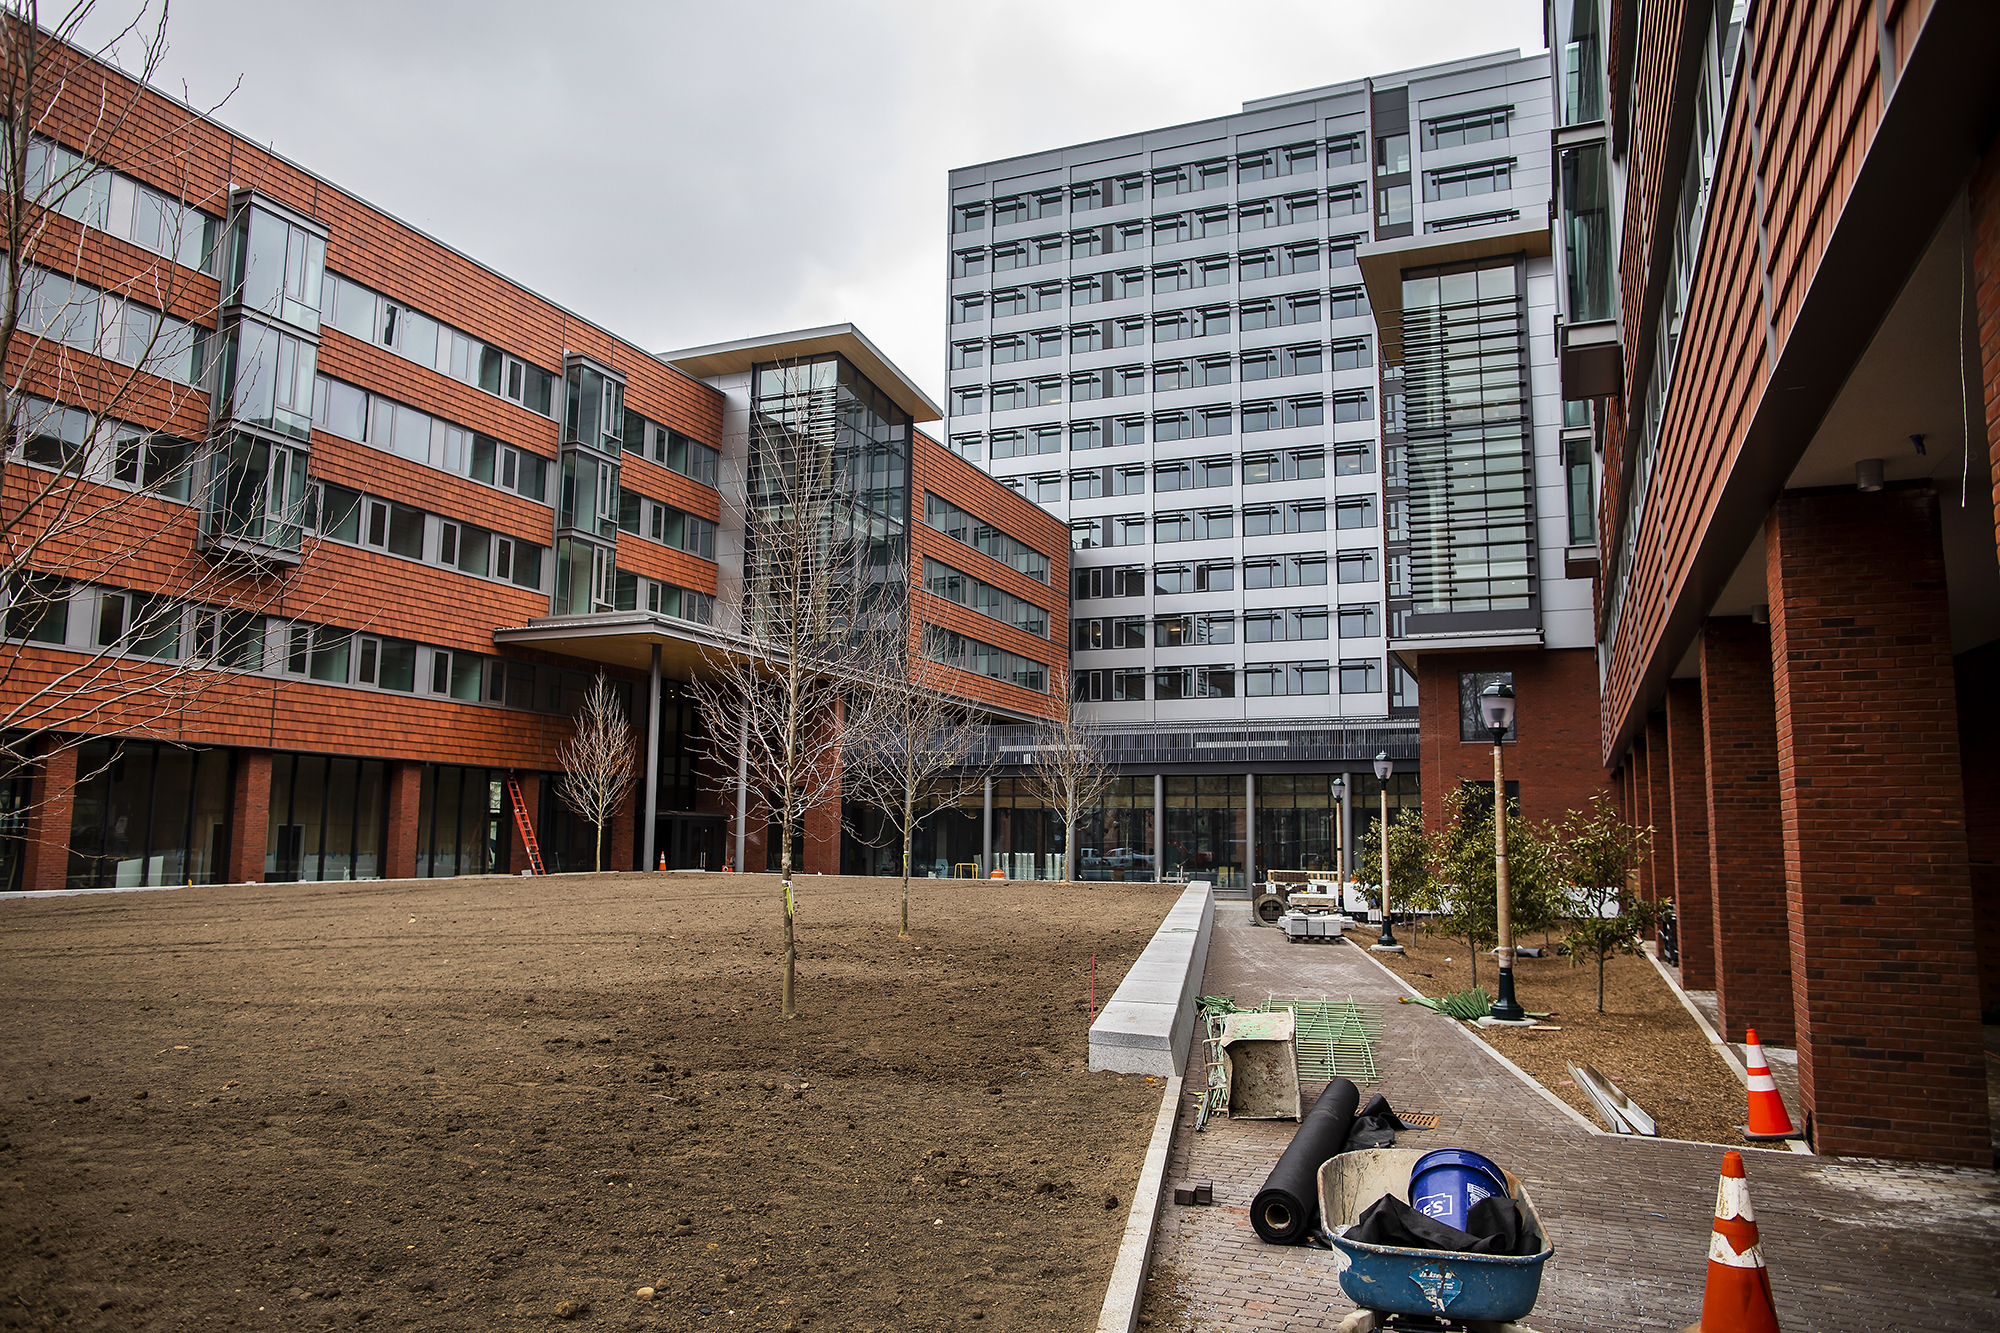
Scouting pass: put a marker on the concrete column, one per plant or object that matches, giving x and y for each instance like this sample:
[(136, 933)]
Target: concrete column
[(742, 790), (1746, 868), (399, 831), (1687, 783), (45, 845), (250, 817), (1878, 886), (1159, 827), (1347, 826), (649, 813), (1250, 827), (986, 833)]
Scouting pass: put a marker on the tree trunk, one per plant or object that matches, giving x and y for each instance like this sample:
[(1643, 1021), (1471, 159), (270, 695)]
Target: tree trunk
[(909, 839), (1473, 949), (1600, 983), (791, 946), (597, 858)]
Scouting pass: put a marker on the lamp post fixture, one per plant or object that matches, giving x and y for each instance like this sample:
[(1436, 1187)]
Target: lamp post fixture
[(1338, 786), (1496, 709), (1386, 942)]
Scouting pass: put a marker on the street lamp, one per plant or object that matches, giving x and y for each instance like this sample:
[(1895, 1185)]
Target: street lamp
[(1338, 786), (1386, 942), (1496, 709)]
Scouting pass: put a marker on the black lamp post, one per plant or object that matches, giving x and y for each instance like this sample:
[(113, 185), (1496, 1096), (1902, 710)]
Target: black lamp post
[(1496, 708), (1387, 940), (1338, 786)]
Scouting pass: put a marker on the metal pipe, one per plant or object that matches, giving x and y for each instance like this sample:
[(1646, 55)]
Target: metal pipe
[(986, 834), (742, 788)]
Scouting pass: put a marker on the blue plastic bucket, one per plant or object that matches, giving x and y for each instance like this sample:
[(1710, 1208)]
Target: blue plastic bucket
[(1445, 1184)]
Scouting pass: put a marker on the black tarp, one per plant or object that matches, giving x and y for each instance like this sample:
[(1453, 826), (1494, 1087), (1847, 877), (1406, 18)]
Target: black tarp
[(1375, 1125), (1495, 1226), (1286, 1210)]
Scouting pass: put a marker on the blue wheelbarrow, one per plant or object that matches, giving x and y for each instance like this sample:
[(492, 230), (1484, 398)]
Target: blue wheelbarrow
[(1475, 1290)]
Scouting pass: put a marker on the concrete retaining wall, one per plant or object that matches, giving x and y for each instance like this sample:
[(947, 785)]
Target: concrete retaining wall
[(1146, 1026)]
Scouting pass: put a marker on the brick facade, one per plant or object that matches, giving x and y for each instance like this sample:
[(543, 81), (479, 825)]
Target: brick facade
[(1556, 759), (1637, 764), (1885, 976), (1753, 957), (1978, 739), (1687, 784), (1984, 201)]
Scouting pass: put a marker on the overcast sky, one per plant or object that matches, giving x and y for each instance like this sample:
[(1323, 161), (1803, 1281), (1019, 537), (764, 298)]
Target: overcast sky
[(691, 173)]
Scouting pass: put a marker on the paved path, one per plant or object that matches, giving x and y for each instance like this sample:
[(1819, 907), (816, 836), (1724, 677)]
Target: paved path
[(1854, 1247)]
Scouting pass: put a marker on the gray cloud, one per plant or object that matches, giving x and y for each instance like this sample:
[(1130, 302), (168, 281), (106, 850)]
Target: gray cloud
[(687, 173)]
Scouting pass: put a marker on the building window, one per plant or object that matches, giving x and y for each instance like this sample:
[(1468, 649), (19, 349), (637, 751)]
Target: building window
[(1254, 264), (1392, 155), (1256, 214), (1089, 337), (1466, 127), (147, 814), (1392, 206), (1088, 242), (1359, 622), (967, 355), (968, 309), (1361, 676), (1582, 505), (1045, 296), (1282, 678), (1471, 726), (968, 263), (1345, 200), (1009, 301), (1351, 405), (1357, 567), (1128, 332), (1355, 512), (968, 401), (1294, 208), (1474, 178), (1299, 258), (968, 217), (1345, 149), (1128, 236)]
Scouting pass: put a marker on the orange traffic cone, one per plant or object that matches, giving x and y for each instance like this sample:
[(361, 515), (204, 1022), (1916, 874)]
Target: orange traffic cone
[(1768, 1119), (1737, 1298)]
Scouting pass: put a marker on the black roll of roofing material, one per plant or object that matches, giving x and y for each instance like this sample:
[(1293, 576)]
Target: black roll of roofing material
[(1286, 1210)]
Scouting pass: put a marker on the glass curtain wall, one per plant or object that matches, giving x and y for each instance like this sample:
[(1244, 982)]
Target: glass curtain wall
[(1298, 822), (947, 837), (1115, 841), (1027, 837), (826, 405), (1204, 830), (327, 816), (462, 821), (16, 793), (1471, 517), (147, 814)]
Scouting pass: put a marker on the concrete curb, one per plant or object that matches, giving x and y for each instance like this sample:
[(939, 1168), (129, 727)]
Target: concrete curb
[(1135, 1251), (1147, 1025)]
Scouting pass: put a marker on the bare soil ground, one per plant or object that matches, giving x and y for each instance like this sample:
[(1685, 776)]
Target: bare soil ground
[(1644, 1041), (444, 1104)]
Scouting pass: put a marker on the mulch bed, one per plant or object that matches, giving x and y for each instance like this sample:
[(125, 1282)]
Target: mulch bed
[(1644, 1041), (447, 1104)]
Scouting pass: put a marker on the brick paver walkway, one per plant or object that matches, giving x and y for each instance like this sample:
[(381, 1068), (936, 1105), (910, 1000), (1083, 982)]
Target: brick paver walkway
[(1853, 1247)]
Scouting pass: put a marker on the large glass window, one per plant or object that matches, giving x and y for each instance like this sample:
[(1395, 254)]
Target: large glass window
[(1582, 61), (326, 818), (1586, 226), (462, 821), (149, 814), (278, 266)]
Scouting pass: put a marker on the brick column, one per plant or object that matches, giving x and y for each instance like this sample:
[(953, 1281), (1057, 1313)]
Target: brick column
[(1687, 784), (45, 845), (1984, 197), (1642, 812), (250, 817), (399, 831), (1746, 865), (619, 837), (1885, 973), (1659, 808), (531, 801)]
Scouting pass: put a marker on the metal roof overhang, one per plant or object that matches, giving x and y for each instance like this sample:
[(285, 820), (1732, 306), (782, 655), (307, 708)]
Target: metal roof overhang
[(733, 358), (688, 651), (1383, 262)]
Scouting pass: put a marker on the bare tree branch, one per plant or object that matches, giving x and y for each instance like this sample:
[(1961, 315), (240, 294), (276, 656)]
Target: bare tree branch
[(600, 761), (804, 619), (1070, 769)]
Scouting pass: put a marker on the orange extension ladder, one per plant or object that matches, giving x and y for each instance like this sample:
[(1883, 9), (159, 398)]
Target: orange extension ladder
[(527, 829)]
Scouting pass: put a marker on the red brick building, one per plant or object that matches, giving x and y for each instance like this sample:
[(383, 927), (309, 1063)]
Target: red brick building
[(323, 527), (1780, 233)]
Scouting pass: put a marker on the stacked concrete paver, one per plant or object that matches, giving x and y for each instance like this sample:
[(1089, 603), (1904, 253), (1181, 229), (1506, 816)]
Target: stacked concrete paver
[(1853, 1247)]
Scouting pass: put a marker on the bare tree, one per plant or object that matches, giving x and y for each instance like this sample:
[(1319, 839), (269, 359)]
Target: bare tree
[(907, 740), (802, 622), (122, 614), (600, 761), (1070, 770)]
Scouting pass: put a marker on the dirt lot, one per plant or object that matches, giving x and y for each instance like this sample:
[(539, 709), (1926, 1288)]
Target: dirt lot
[(1644, 1041), (439, 1104)]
